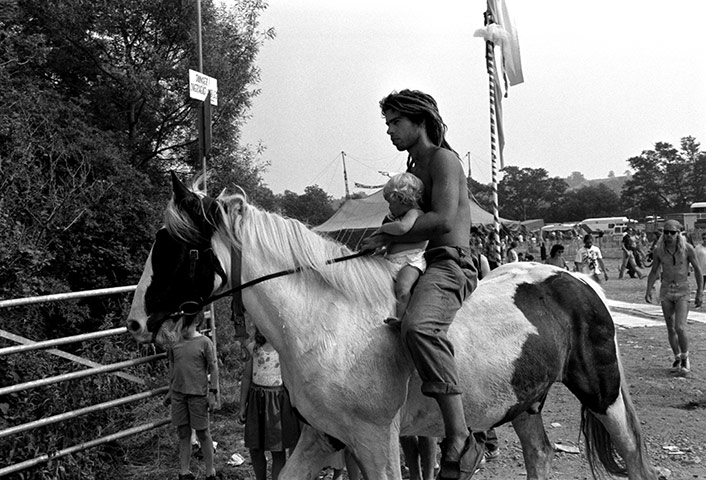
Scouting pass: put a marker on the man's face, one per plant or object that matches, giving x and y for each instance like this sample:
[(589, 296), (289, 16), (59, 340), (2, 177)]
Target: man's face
[(588, 242), (670, 236), (403, 133)]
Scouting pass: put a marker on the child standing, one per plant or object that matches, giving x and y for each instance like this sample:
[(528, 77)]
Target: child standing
[(191, 360), (406, 260), (270, 422)]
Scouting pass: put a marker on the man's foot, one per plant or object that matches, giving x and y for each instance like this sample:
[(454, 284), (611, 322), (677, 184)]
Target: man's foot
[(466, 465), (187, 476), (676, 365), (685, 364)]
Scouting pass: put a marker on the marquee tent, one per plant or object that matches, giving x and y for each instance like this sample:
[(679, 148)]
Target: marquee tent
[(358, 218)]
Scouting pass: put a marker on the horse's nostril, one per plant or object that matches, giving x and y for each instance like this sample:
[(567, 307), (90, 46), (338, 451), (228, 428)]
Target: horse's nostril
[(133, 325)]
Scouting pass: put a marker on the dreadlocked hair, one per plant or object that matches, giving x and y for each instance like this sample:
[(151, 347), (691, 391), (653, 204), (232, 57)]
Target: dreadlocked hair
[(419, 107)]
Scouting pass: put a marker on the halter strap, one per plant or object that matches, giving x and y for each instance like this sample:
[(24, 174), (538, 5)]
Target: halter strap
[(237, 302)]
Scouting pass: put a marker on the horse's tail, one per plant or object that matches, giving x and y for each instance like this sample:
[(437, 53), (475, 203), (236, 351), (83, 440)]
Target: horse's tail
[(600, 449)]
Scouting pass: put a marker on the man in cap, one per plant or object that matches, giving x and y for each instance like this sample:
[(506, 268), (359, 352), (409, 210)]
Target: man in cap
[(673, 254)]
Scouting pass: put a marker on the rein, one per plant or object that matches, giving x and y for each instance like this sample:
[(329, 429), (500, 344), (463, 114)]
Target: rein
[(194, 307)]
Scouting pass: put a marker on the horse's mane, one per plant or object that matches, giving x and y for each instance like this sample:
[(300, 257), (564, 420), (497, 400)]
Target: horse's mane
[(288, 243)]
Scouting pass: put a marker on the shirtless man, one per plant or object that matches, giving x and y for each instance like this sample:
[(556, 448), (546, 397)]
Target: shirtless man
[(674, 255), (414, 124)]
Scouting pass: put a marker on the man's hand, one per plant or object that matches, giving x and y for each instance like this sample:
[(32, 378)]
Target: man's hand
[(648, 295), (376, 241), (698, 301), (167, 399)]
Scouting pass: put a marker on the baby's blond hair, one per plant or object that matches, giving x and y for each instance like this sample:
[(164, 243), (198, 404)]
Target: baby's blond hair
[(406, 187)]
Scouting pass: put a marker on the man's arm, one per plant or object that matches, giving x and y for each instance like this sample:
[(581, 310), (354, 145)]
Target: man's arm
[(605, 271), (652, 277), (691, 256)]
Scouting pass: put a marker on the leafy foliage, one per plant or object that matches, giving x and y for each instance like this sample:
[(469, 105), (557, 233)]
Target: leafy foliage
[(666, 179), (526, 193)]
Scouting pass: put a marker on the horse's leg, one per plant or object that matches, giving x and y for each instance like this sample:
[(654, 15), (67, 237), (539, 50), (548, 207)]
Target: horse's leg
[(309, 456), (621, 423), (378, 451), (537, 450)]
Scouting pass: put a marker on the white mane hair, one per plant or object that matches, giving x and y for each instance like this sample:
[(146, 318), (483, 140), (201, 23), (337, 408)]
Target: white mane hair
[(287, 243)]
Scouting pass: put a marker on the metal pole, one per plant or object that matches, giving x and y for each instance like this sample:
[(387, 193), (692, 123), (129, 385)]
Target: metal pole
[(210, 313), (83, 446), (16, 302), (345, 175), (78, 374)]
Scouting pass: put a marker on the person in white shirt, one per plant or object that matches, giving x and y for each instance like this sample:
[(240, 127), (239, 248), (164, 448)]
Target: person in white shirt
[(589, 260)]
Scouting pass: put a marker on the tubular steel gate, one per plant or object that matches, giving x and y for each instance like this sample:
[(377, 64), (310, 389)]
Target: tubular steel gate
[(94, 369)]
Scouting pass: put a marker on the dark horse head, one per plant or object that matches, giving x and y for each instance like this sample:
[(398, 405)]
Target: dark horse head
[(181, 271)]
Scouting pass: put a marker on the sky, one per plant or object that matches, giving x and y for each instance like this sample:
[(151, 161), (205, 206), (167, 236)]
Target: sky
[(603, 81)]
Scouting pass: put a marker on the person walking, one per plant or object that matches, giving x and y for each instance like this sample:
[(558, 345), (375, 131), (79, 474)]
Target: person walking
[(556, 257), (193, 392), (700, 251), (589, 260), (415, 125), (673, 255)]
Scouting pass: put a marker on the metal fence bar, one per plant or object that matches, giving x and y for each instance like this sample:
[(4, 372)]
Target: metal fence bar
[(83, 446), (67, 356), (81, 411), (16, 302), (79, 374), (55, 342)]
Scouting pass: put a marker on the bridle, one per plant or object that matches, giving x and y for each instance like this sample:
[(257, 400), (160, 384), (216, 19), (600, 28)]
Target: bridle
[(194, 307)]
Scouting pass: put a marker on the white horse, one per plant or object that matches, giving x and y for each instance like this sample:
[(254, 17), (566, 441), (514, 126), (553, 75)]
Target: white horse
[(525, 327)]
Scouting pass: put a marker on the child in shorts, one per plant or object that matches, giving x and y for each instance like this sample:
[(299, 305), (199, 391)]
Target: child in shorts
[(403, 192), (192, 359)]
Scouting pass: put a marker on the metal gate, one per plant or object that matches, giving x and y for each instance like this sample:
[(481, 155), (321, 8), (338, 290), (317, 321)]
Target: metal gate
[(26, 345)]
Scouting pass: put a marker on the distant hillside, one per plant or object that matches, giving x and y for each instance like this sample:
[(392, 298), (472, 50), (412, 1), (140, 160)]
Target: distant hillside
[(614, 183)]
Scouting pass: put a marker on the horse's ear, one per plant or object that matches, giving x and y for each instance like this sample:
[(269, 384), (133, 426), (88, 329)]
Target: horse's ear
[(179, 189)]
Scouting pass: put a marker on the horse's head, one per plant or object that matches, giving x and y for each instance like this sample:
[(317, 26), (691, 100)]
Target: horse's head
[(182, 270)]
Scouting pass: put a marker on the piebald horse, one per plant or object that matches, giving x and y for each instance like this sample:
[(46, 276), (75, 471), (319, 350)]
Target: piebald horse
[(525, 327)]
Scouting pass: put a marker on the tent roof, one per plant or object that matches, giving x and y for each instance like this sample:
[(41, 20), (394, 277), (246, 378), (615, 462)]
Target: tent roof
[(369, 212)]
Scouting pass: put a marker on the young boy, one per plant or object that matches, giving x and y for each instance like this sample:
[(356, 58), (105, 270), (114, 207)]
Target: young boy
[(191, 360), (406, 260)]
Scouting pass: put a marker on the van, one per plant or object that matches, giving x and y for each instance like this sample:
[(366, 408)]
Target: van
[(612, 225)]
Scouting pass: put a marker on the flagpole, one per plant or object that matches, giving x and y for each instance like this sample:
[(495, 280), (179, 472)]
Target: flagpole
[(490, 66)]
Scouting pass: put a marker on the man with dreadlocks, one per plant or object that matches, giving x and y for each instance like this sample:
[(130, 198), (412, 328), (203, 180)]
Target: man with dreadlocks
[(414, 124)]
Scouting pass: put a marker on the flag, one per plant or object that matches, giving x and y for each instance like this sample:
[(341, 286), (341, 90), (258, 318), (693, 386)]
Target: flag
[(510, 47), (360, 185), (500, 31)]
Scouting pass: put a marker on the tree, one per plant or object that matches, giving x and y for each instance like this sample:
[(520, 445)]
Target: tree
[(575, 179), (528, 192), (483, 194), (666, 179), (312, 208), (585, 202)]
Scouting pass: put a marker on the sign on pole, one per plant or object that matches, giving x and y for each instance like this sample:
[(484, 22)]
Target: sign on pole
[(200, 85)]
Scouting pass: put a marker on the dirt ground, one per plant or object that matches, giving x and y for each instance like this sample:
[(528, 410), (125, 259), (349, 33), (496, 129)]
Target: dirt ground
[(671, 408)]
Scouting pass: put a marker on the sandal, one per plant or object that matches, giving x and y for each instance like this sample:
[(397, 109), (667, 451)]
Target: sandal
[(467, 464)]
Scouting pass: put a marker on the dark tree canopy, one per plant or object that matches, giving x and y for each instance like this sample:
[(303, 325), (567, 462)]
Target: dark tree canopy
[(666, 179)]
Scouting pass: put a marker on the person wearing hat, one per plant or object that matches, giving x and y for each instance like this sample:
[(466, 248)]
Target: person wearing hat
[(673, 254)]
